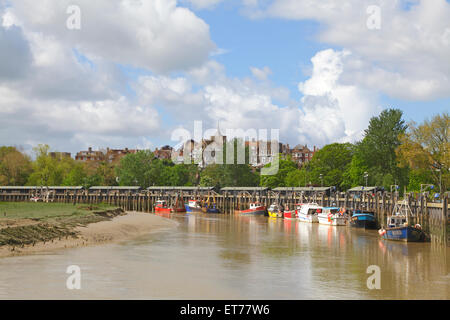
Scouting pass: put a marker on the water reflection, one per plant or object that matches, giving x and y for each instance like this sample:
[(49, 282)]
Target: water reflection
[(237, 257)]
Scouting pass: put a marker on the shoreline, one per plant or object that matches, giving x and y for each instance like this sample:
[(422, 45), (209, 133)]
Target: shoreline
[(120, 228)]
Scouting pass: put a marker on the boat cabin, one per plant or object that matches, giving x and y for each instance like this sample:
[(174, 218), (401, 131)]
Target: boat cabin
[(308, 209), (161, 203), (274, 207), (194, 204), (255, 205), (396, 221), (331, 210)]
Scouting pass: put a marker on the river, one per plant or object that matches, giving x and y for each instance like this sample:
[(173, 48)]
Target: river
[(233, 257)]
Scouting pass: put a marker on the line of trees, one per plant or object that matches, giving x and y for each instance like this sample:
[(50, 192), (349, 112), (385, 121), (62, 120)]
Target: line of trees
[(391, 153)]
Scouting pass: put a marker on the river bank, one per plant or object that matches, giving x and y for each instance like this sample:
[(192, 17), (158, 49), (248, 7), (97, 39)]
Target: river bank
[(28, 236)]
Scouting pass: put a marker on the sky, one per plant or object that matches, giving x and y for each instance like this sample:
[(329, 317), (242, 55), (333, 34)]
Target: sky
[(138, 74)]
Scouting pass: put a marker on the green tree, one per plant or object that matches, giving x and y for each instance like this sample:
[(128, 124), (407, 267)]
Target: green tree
[(330, 163), (426, 150), (43, 167), (139, 169), (15, 167), (286, 166), (377, 150)]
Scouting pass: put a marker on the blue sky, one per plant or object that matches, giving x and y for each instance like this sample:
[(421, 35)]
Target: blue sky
[(136, 72), (287, 46)]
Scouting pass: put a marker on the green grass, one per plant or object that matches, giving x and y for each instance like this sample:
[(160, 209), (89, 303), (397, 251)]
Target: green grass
[(50, 220), (47, 211)]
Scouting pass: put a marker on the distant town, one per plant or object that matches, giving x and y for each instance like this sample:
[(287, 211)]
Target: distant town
[(261, 152)]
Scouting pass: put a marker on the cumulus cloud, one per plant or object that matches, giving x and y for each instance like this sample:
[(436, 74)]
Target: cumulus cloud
[(204, 4), (331, 110), (66, 87), (407, 58), (15, 54), (261, 74), (208, 95), (155, 34)]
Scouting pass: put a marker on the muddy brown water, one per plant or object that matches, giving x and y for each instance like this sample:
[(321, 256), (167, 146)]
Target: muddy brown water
[(232, 257)]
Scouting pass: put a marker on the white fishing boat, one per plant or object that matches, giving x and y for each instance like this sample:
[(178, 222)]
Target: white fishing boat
[(308, 212), (332, 216)]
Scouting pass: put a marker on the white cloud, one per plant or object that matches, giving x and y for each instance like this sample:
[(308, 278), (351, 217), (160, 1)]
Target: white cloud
[(155, 34), (64, 87), (407, 58), (204, 4), (261, 74), (332, 111)]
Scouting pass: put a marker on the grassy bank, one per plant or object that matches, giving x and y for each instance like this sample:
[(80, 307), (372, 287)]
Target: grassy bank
[(26, 223)]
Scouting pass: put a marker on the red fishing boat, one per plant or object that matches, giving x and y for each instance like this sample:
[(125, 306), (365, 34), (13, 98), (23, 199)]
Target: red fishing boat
[(256, 209), (289, 214), (162, 207)]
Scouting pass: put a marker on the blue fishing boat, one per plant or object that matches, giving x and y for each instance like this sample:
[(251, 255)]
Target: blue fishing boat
[(210, 205), (193, 206), (398, 227), (364, 220), (211, 208)]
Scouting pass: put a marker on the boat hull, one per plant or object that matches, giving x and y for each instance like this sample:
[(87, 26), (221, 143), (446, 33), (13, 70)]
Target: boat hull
[(308, 218), (192, 209), (363, 222), (405, 234), (275, 214), (290, 215), (210, 210), (332, 221), (252, 212), (162, 210)]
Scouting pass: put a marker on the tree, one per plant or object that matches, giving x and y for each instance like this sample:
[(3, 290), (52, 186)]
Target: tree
[(377, 150), (139, 169), (43, 167), (426, 150), (286, 167), (330, 163), (77, 176), (15, 167)]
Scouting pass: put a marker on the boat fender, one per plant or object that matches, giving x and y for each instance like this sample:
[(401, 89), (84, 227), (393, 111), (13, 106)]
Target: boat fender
[(382, 232), (418, 226)]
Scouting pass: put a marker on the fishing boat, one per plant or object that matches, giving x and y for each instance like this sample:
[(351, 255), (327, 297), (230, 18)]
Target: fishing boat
[(361, 219), (193, 206), (332, 216), (308, 212), (211, 208), (162, 207), (256, 209), (275, 211), (289, 214), (398, 227)]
